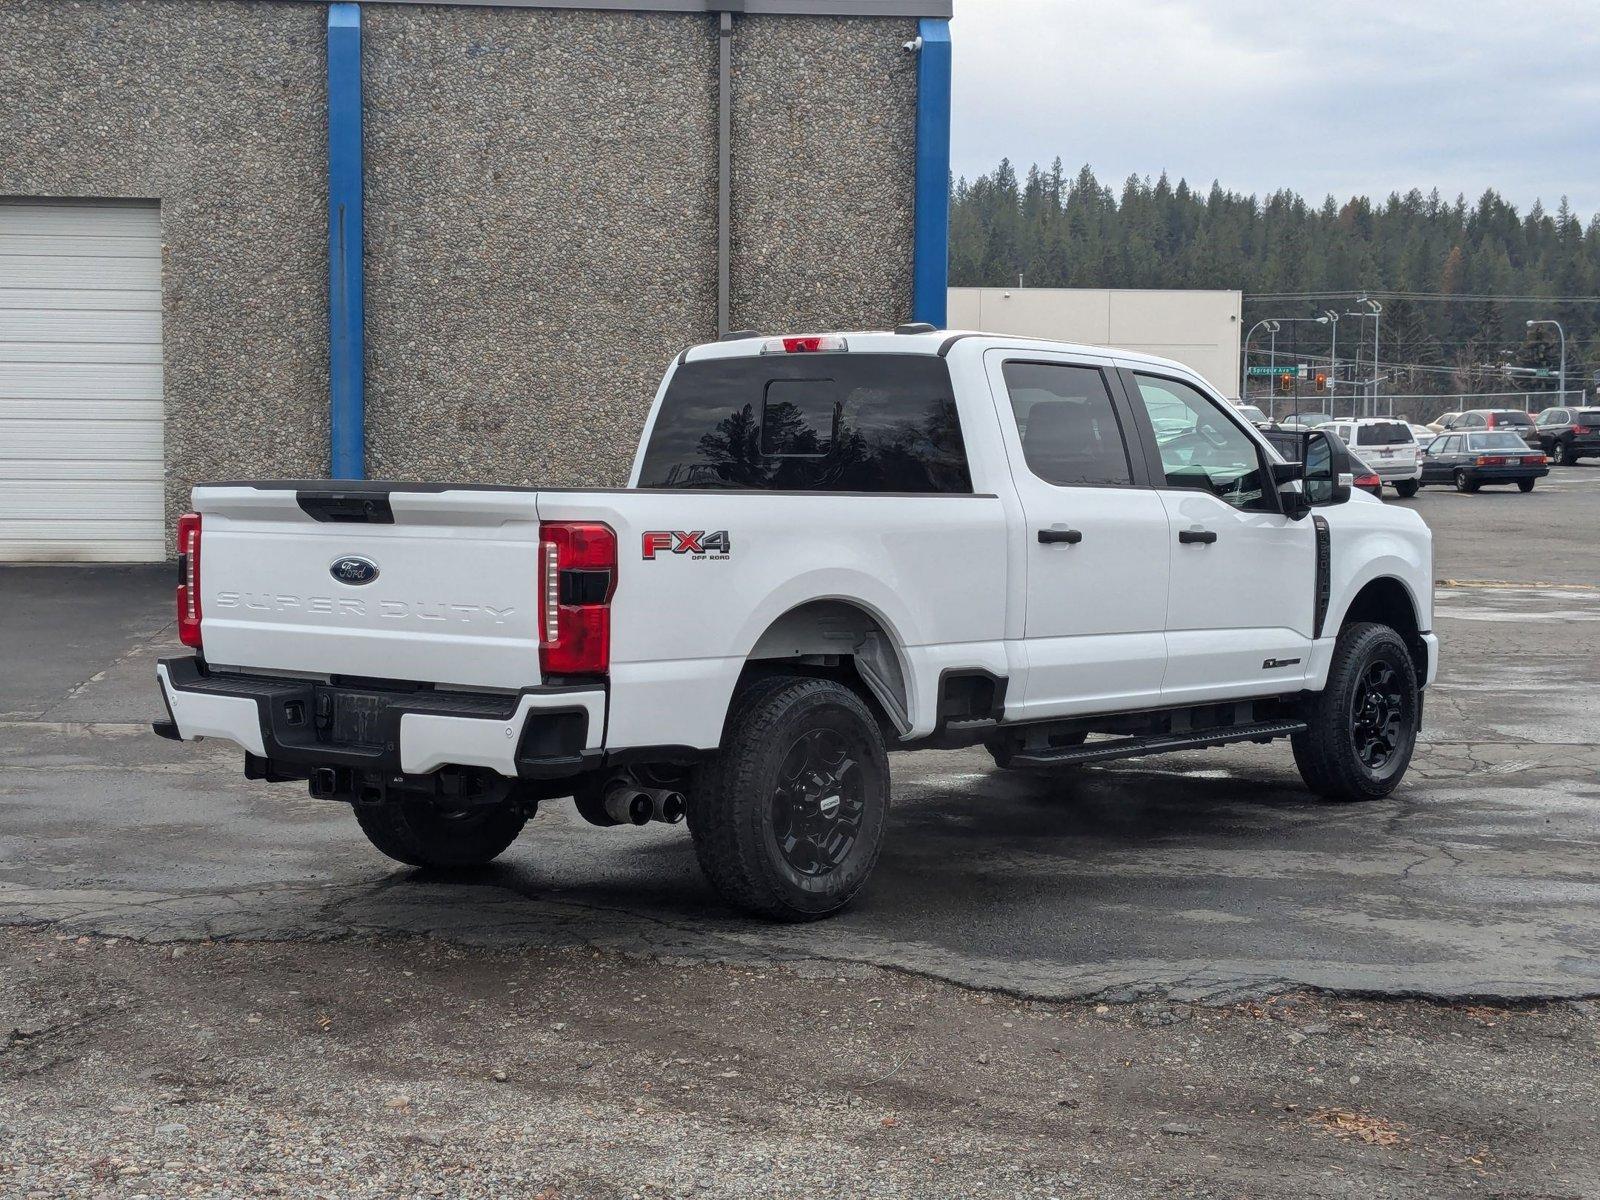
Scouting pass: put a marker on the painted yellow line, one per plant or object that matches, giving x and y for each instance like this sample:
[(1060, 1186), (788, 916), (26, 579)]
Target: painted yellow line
[(1504, 583)]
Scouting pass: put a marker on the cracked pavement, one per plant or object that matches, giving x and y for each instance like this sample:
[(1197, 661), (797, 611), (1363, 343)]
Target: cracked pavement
[(1207, 876)]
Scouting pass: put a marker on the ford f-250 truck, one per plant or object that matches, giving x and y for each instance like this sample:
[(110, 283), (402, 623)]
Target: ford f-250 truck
[(829, 546)]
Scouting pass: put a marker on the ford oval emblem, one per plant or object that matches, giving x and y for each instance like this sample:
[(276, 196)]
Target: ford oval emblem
[(354, 570)]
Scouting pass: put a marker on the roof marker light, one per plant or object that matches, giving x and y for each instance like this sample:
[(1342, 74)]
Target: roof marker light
[(813, 344)]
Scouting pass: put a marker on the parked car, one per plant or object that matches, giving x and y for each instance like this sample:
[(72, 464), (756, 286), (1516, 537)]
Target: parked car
[(1519, 423), (1568, 434), (1364, 477), (1471, 460), (829, 544), (1422, 433), (1388, 446), (1445, 422), (1305, 420), (1254, 415)]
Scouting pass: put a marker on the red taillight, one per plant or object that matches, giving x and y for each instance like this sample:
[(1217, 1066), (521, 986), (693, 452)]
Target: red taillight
[(1537, 460), (189, 579), (578, 574), (1366, 481), (1491, 460), (1584, 430)]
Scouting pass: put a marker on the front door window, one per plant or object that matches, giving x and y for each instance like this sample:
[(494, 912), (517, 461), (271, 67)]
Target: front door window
[(1201, 449)]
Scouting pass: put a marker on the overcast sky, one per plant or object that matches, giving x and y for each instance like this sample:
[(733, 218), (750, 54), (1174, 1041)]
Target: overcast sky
[(1344, 97)]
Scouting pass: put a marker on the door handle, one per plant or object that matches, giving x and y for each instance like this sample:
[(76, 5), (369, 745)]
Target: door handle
[(1050, 536), (1204, 536)]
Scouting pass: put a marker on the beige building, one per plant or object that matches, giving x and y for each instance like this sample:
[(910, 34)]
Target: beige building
[(1199, 329)]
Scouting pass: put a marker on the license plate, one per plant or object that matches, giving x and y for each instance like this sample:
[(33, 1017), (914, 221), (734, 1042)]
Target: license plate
[(354, 719)]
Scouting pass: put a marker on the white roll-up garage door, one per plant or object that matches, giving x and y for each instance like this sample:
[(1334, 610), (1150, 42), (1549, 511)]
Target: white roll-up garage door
[(80, 382)]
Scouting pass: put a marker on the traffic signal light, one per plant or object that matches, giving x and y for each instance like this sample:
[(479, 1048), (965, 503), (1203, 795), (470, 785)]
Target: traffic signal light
[(1322, 381), (1286, 384)]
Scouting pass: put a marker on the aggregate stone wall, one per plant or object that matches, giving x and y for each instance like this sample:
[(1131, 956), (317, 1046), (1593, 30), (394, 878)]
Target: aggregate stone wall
[(541, 234), (540, 211), (824, 172), (219, 112), (541, 218)]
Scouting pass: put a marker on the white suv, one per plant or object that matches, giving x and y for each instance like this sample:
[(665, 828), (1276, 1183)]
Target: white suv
[(1388, 446)]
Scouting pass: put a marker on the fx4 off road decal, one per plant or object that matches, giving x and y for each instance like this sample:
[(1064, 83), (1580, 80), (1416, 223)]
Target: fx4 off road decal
[(698, 544)]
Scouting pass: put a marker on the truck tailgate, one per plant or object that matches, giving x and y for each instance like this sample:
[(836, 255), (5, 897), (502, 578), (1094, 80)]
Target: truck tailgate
[(312, 578)]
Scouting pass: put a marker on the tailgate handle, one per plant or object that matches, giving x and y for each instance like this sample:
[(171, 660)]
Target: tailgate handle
[(347, 508)]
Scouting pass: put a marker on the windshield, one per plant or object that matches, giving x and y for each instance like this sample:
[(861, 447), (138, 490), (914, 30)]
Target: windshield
[(1388, 433), (1251, 413), (1512, 418), (1495, 441)]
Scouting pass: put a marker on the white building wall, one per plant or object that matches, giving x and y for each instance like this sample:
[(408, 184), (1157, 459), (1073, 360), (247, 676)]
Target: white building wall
[(1199, 329)]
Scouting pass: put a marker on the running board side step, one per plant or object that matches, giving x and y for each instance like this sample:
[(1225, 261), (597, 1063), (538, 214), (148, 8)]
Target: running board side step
[(1134, 747)]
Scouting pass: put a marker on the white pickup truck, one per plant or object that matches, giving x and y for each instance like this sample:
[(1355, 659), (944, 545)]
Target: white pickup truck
[(830, 546)]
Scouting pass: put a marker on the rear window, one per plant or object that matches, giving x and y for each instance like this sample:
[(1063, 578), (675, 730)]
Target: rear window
[(809, 423), (1495, 441), (1389, 433), (1512, 418)]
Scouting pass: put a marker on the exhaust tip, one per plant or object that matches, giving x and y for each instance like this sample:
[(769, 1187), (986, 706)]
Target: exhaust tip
[(629, 806), (670, 807)]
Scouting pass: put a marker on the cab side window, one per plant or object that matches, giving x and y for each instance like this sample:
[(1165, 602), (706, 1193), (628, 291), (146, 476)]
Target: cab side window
[(1067, 425), (1201, 448)]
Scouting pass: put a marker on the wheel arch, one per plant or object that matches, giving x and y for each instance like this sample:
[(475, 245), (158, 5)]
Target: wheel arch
[(845, 638), (1388, 600)]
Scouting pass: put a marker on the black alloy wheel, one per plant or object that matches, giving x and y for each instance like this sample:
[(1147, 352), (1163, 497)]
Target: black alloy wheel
[(1376, 716), (788, 818), (1362, 727), (817, 803)]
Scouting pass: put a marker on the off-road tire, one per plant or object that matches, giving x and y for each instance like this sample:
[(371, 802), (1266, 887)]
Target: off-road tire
[(1407, 487), (418, 834), (1463, 484), (1327, 752), (1569, 454), (1525, 485), (738, 806)]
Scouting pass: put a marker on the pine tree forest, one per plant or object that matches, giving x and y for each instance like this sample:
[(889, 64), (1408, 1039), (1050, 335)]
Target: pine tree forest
[(1457, 281)]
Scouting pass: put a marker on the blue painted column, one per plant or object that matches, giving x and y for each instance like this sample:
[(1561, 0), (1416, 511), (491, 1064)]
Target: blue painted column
[(930, 281), (346, 301)]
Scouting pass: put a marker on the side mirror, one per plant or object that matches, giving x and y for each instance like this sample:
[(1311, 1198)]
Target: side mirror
[(1329, 476), (1318, 462)]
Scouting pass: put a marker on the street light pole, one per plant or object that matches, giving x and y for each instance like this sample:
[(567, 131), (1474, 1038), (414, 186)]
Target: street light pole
[(1333, 360), (1563, 333), (1244, 358), (1377, 348)]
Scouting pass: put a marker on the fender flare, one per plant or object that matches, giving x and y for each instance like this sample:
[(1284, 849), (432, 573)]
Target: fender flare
[(1383, 567)]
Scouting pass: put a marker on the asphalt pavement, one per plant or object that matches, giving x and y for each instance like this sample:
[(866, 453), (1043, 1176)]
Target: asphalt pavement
[(1207, 876)]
